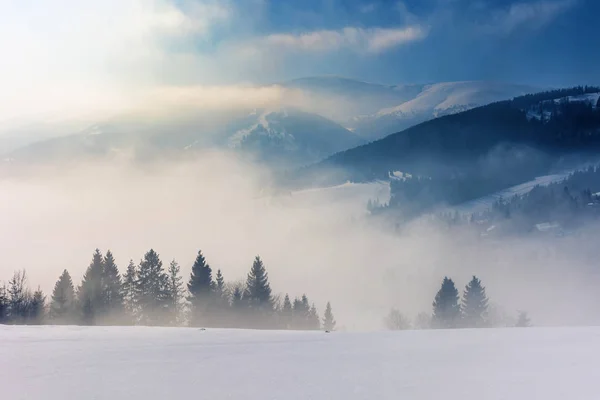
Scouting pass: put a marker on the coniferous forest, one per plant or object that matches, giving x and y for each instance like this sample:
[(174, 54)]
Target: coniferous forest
[(152, 293)]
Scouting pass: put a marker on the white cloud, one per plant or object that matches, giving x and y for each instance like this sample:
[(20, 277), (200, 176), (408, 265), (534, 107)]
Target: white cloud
[(372, 40), (70, 56), (532, 15)]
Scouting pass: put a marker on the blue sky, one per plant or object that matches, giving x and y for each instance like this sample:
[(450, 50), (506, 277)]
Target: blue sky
[(547, 42)]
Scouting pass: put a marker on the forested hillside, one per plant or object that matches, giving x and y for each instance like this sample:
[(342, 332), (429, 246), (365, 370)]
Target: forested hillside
[(459, 157)]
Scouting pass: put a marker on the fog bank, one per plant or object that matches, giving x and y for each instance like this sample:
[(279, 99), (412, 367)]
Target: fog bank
[(318, 241)]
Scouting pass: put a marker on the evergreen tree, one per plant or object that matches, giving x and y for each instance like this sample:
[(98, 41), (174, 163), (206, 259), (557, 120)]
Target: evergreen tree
[(313, 322), (177, 293), (201, 289), (236, 298), (3, 304), (446, 307), (152, 288), (90, 293), (18, 298), (258, 296), (37, 307), (220, 283), (221, 310), (523, 320), (237, 317), (112, 290), (87, 312), (301, 313), (286, 313), (475, 304), (258, 290), (130, 291), (328, 319), (62, 304)]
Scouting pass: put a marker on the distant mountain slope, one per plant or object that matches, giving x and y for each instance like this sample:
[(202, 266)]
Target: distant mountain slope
[(344, 100), (337, 114), (374, 111), (500, 145), (290, 135), (287, 136), (434, 101)]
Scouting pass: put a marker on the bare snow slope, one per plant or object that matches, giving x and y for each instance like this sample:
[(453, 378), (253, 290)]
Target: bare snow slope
[(434, 101), (450, 97), (486, 202), (139, 363)]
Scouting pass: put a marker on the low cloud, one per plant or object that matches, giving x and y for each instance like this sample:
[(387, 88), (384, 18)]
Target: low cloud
[(369, 40), (315, 241)]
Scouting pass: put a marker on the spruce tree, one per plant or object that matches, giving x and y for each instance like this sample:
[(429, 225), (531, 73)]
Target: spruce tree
[(37, 308), (475, 304), (301, 313), (258, 296), (446, 307), (328, 319), (201, 289), (3, 304), (112, 290), (238, 316), (220, 283), (130, 292), (221, 310), (236, 298), (152, 287), (258, 290), (87, 312), (18, 298), (90, 293), (314, 322), (286, 313), (62, 303), (298, 314), (177, 293)]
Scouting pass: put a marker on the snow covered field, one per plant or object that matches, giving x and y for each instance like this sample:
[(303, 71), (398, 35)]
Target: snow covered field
[(176, 363)]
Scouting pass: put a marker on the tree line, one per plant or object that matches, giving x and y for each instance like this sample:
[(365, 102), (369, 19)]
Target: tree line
[(452, 312), (151, 294), (567, 205)]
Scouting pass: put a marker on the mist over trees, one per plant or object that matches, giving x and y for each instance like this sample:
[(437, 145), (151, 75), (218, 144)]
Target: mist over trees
[(151, 294), (450, 311)]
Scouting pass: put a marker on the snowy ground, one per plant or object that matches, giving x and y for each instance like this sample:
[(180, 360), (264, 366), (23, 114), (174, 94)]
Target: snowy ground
[(486, 202), (354, 192), (168, 363)]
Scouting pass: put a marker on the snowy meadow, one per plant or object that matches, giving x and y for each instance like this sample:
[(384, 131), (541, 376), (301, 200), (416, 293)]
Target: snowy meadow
[(156, 363)]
